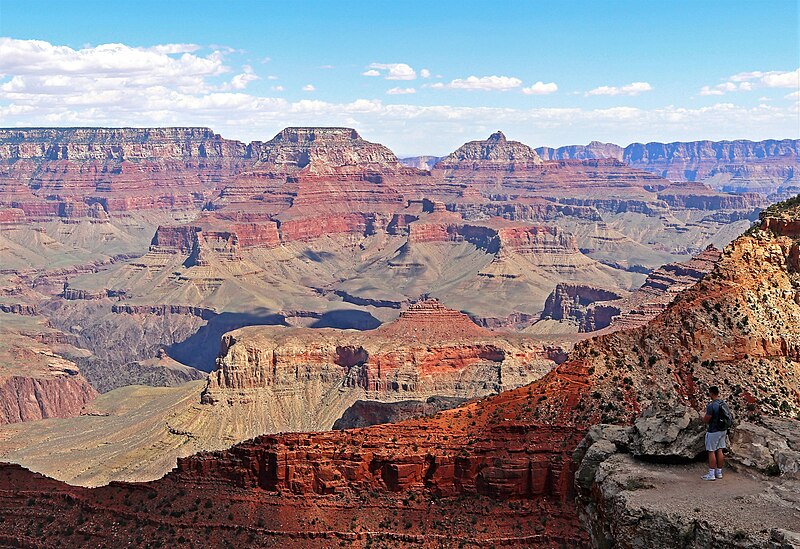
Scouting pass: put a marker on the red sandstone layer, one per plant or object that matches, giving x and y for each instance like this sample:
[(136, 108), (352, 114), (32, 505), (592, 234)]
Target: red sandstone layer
[(24, 398)]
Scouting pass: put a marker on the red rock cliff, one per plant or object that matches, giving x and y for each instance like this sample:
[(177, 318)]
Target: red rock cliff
[(35, 383)]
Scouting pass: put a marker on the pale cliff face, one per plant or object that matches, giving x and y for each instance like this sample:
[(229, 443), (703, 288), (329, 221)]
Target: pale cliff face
[(83, 144)]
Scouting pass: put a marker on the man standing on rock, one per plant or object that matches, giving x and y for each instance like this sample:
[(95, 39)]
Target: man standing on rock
[(718, 419)]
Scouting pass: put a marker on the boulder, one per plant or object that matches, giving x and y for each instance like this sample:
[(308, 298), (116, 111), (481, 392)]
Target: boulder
[(668, 433), (784, 539), (767, 449), (616, 434), (596, 454)]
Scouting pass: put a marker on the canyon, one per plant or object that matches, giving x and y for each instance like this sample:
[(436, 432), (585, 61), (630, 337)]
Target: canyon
[(273, 379), (501, 469), (143, 247), (237, 311), (35, 381), (147, 245), (308, 378), (171, 300), (769, 167), (594, 309)]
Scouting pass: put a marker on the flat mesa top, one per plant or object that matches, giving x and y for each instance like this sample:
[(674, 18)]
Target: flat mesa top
[(313, 133)]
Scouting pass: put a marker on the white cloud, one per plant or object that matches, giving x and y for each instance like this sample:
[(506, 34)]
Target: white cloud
[(400, 91), (634, 88), (36, 57), (409, 129), (725, 87), (782, 79), (175, 48), (540, 88), (748, 81), (392, 71), (309, 88), (240, 81), (482, 83), (425, 73), (37, 66), (706, 90), (770, 79), (277, 88), (744, 76)]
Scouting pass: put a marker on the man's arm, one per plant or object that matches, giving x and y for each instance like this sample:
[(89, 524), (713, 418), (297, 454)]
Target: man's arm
[(707, 418)]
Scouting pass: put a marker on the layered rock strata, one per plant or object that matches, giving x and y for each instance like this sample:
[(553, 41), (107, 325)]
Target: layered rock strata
[(495, 153), (740, 166), (35, 382), (308, 378), (364, 413), (571, 302), (660, 288), (321, 150), (594, 309), (60, 392), (513, 451), (49, 172), (79, 172)]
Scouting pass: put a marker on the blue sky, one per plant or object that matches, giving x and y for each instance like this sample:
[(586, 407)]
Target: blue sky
[(421, 77)]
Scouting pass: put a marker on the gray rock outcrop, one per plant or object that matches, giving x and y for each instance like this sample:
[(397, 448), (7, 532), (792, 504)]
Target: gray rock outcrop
[(626, 500)]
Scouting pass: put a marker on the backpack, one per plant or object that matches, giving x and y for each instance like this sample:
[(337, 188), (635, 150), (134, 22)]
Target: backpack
[(724, 417)]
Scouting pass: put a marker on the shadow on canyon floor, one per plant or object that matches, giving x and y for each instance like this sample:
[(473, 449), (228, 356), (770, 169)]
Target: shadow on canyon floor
[(347, 319), (200, 350)]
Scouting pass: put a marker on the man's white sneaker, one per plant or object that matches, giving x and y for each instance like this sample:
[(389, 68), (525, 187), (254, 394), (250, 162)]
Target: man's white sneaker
[(718, 475), (708, 476)]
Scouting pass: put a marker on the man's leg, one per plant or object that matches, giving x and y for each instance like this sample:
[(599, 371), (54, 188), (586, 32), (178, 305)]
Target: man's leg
[(712, 459), (720, 459)]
